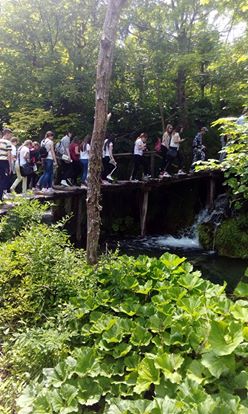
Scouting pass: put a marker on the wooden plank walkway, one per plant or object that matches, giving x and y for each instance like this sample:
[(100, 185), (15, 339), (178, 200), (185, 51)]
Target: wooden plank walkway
[(61, 192)]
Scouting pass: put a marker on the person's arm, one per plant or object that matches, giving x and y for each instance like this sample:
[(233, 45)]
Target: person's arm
[(164, 139), (178, 139), (67, 150), (111, 151), (27, 156), (53, 153), (88, 149), (9, 156), (77, 152)]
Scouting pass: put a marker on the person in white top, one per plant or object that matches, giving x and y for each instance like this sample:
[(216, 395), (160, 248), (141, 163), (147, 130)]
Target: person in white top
[(173, 153), (84, 159), (139, 159), (14, 142), (66, 164), (165, 144), (5, 161), (45, 181), (108, 160), (23, 156)]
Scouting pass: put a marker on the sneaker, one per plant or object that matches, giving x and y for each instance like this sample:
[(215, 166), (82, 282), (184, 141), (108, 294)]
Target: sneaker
[(7, 196), (64, 183), (50, 190), (166, 175), (83, 185), (109, 178), (134, 180), (181, 172)]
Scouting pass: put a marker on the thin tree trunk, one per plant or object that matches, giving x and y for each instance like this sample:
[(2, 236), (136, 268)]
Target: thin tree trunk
[(181, 98), (160, 105), (104, 71)]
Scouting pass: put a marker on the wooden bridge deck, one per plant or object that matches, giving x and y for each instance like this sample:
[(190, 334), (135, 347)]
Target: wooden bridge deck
[(145, 185), (208, 179)]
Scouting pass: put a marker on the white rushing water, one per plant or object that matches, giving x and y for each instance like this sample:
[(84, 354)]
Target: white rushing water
[(188, 239)]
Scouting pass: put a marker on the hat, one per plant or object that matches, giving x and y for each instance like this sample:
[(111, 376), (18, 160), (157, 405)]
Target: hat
[(205, 129)]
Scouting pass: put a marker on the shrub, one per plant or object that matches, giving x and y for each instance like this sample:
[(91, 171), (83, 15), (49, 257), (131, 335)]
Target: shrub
[(39, 270), (24, 213)]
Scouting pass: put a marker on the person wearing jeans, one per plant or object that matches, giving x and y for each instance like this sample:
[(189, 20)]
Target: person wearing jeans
[(47, 177), (45, 181), (5, 160), (84, 159)]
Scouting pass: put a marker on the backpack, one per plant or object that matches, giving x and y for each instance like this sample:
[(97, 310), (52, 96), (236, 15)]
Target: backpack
[(43, 151), (59, 149)]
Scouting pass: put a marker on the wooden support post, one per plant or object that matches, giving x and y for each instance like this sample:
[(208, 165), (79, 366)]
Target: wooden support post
[(79, 220), (211, 193), (68, 205), (143, 212), (153, 165)]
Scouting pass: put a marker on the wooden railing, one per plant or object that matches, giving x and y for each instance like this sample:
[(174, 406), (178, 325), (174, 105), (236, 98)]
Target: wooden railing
[(151, 154)]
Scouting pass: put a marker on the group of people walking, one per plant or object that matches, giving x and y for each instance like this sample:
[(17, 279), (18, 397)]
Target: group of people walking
[(33, 164), (169, 149)]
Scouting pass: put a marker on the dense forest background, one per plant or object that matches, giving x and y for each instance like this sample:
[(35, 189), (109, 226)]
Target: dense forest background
[(175, 61)]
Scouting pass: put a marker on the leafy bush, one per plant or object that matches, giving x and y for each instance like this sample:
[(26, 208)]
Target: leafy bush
[(235, 165), (156, 339), (24, 213), (39, 270)]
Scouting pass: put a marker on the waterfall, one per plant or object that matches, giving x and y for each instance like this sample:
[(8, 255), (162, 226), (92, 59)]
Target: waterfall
[(187, 238)]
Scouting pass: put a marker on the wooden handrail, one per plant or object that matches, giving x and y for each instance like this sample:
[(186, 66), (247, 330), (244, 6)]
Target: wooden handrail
[(128, 154), (151, 154)]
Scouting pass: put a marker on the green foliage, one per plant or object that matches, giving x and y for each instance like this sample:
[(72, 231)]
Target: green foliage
[(25, 213), (50, 73), (156, 338), (229, 238), (123, 225), (205, 234), (39, 270), (31, 124), (235, 165), (232, 237)]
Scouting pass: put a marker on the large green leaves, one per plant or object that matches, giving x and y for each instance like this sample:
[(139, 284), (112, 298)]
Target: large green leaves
[(224, 337), (149, 343)]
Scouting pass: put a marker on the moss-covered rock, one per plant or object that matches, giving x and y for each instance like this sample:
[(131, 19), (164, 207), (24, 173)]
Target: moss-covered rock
[(230, 239), (206, 235)]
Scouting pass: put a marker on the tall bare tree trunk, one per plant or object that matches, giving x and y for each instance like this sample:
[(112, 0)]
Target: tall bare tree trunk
[(104, 71)]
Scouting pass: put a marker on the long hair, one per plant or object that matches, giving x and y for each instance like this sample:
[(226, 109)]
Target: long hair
[(177, 129), (86, 140), (108, 141)]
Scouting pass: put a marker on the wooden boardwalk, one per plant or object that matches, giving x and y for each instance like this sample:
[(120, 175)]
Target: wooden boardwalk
[(70, 200), (61, 191)]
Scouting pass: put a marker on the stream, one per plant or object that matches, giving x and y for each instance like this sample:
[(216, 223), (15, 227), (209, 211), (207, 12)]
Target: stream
[(215, 268)]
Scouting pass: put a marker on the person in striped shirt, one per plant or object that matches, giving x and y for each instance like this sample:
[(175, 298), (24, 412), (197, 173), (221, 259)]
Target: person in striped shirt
[(5, 160)]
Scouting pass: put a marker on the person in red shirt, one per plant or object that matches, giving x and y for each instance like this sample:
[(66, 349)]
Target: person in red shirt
[(74, 149)]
